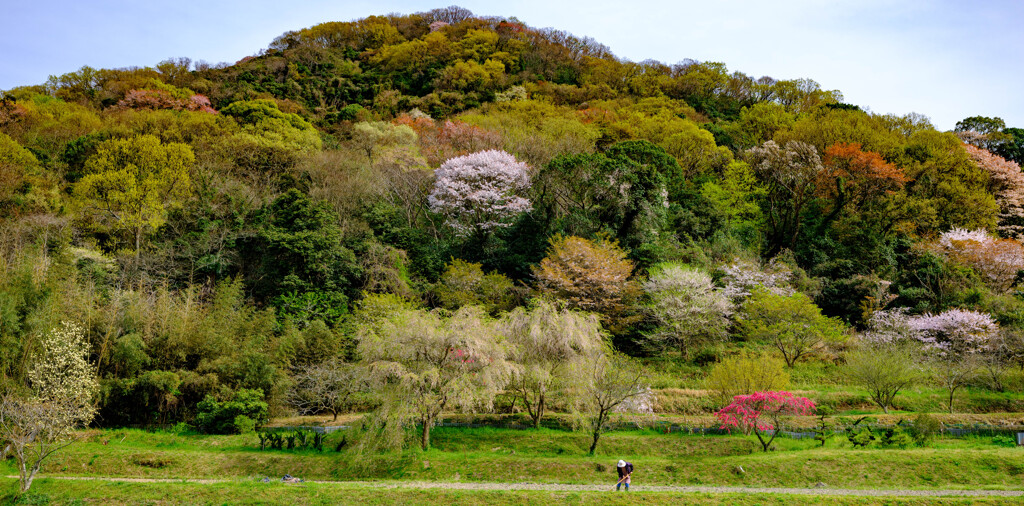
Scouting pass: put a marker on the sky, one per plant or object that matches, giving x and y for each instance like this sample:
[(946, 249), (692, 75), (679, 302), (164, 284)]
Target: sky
[(945, 59)]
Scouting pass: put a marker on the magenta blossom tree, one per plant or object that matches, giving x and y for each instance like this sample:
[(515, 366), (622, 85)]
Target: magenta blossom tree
[(761, 412), (480, 191)]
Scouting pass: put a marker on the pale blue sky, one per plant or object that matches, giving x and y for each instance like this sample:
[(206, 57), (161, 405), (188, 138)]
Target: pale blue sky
[(944, 59)]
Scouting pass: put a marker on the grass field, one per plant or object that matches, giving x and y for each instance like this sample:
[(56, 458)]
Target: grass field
[(72, 493), (554, 456)]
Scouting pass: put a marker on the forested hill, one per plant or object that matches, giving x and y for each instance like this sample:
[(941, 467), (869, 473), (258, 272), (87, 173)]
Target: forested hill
[(220, 227)]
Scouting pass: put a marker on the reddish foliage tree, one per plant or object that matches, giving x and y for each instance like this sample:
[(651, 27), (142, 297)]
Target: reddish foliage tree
[(763, 411), (161, 99), (447, 140), (852, 177)]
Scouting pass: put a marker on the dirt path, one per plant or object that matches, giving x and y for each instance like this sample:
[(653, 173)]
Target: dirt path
[(559, 487)]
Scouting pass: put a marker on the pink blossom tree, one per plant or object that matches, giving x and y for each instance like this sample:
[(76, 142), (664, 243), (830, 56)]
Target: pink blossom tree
[(1006, 182), (479, 192), (761, 412), (955, 339), (997, 260)]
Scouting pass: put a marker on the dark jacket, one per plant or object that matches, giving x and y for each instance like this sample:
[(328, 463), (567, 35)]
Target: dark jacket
[(626, 469)]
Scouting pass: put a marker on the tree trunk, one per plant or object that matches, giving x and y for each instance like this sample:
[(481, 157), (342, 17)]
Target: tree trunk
[(597, 435), (425, 440), (540, 412), (335, 413)]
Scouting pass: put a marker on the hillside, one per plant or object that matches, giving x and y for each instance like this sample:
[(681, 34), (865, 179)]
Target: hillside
[(227, 231)]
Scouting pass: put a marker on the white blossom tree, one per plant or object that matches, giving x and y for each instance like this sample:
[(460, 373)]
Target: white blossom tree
[(62, 384), (1006, 182), (955, 340), (547, 341), (480, 191), (690, 309), (426, 362), (741, 277)]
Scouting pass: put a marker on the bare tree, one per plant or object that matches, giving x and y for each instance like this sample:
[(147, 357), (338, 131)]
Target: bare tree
[(328, 387), (63, 384)]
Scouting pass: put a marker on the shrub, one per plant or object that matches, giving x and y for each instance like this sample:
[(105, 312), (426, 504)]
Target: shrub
[(896, 436), (244, 424), (862, 437), (746, 374), (217, 417), (923, 428)]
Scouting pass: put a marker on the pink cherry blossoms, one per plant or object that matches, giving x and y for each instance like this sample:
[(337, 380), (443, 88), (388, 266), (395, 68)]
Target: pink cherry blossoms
[(1006, 182), (955, 332), (997, 260), (479, 191)]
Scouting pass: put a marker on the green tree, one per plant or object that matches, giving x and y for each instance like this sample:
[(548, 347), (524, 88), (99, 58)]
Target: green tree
[(298, 249), (792, 324), (135, 181)]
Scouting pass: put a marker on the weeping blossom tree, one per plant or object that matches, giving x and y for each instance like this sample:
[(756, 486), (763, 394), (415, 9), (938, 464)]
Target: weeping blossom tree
[(427, 361), (548, 341), (480, 191), (763, 412), (741, 277)]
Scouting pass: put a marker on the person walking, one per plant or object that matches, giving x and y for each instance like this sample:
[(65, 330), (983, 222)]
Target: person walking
[(625, 469)]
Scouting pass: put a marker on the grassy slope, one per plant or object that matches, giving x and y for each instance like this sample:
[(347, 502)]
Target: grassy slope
[(557, 457)]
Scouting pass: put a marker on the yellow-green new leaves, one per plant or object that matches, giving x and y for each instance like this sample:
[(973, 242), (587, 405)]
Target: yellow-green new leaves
[(135, 181)]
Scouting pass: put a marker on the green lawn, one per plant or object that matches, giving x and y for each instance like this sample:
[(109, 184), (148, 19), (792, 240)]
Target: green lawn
[(76, 493), (553, 456)]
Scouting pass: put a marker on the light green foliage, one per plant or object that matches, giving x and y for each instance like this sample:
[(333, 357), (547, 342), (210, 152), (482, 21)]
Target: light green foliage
[(136, 181), (465, 284), (547, 341), (735, 195), (884, 371), (536, 131), (15, 163), (426, 362), (947, 189), (48, 124), (271, 138), (759, 122), (792, 324), (377, 136), (745, 374)]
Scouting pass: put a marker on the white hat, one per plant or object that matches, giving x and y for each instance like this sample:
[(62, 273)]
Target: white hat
[(622, 463)]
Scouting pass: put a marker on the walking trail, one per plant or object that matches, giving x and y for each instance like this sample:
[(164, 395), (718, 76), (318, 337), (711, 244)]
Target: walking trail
[(559, 487)]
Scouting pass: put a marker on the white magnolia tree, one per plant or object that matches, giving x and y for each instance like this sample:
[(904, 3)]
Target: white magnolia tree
[(548, 341), (480, 191), (690, 309), (427, 361), (63, 385)]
